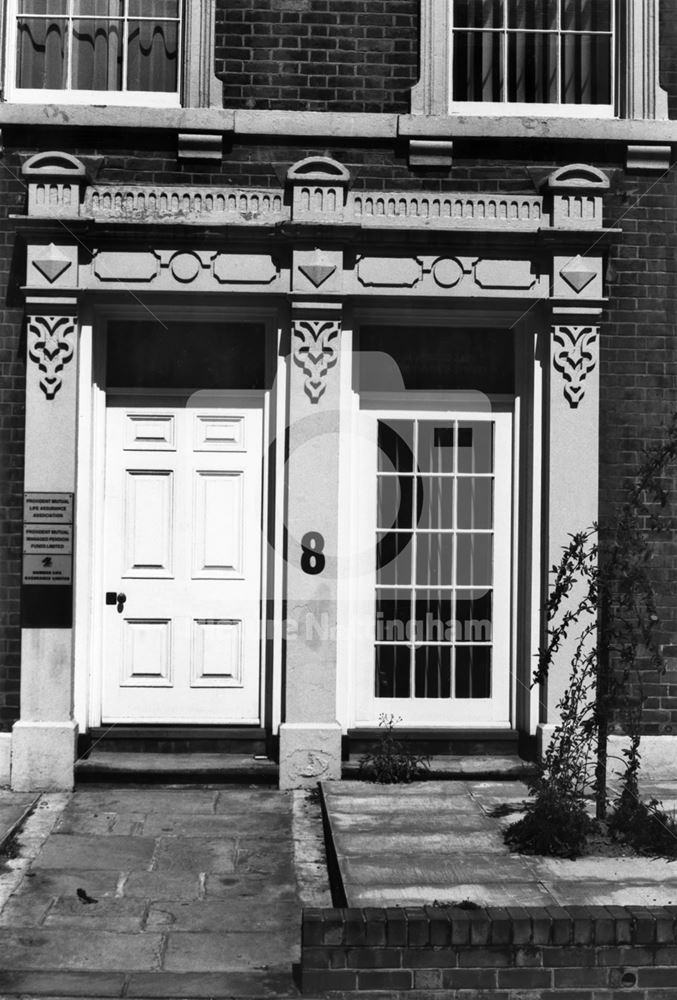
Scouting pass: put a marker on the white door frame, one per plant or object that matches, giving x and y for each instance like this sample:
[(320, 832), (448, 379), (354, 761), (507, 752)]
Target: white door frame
[(90, 585)]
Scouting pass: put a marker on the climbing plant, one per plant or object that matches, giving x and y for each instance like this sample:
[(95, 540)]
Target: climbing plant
[(601, 610)]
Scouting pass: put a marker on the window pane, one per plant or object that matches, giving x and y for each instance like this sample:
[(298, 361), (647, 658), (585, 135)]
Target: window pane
[(395, 446), (393, 558), (532, 68), (393, 671), (40, 54), (152, 56), (99, 8), (478, 13), (436, 444), (473, 614), (153, 8), (475, 447), (477, 66), (586, 69), (51, 7), (473, 568), (434, 559), (433, 615), (97, 55), (475, 498), (473, 671), (527, 14), (436, 502), (395, 495), (433, 672), (393, 613), (586, 15)]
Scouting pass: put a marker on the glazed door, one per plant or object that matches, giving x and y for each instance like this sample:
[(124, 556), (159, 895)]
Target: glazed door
[(183, 563), (435, 581)]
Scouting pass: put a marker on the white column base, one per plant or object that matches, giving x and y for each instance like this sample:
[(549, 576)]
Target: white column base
[(5, 751), (309, 752), (43, 756)]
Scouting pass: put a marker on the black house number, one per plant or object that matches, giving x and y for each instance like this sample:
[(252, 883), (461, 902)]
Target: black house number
[(312, 548)]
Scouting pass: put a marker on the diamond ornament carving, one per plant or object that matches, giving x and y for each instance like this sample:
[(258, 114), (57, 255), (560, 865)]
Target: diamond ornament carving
[(578, 274), (575, 358), (315, 348), (53, 264), (50, 347)]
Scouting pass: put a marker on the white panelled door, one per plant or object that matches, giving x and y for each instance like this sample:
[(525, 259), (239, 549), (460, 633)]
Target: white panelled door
[(183, 563)]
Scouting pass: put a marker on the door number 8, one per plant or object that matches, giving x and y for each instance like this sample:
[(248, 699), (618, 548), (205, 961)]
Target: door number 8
[(312, 549)]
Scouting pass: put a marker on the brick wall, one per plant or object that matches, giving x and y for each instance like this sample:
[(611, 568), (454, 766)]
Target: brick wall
[(317, 55), (581, 952)]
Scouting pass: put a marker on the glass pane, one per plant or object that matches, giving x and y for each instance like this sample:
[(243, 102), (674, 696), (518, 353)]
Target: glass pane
[(532, 68), (98, 8), (153, 8), (586, 15), (393, 558), (473, 616), (475, 502), (586, 69), (52, 7), (473, 672), (475, 447), (477, 66), (97, 55), (41, 61), (434, 559), (396, 446), (473, 568), (527, 14), (435, 502), (394, 498), (433, 616), (433, 671), (393, 671), (152, 56), (393, 614), (478, 13), (436, 444)]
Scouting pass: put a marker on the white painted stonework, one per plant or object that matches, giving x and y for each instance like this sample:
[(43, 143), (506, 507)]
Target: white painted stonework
[(343, 252)]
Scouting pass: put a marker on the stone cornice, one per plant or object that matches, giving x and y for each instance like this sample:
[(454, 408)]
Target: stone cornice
[(338, 125)]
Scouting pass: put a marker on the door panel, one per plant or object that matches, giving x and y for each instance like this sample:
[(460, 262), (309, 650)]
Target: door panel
[(183, 559), (434, 574)]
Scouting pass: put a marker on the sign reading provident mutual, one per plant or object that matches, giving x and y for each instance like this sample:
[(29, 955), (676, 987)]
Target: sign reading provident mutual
[(48, 538)]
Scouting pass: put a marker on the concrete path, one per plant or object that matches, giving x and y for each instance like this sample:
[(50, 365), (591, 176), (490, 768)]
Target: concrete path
[(405, 845), (167, 892)]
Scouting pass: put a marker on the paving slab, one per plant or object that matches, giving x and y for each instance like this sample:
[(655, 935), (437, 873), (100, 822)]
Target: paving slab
[(14, 807), (107, 853), (62, 984), (433, 841), (79, 950), (168, 986), (220, 915), (212, 952)]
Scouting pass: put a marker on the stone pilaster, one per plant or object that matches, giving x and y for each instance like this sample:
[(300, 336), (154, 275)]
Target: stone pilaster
[(44, 738), (310, 737)]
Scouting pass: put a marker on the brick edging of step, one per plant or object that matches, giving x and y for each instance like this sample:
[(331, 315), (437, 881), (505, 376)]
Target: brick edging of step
[(431, 948)]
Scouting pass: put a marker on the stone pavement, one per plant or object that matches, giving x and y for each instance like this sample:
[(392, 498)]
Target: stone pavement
[(160, 892), (438, 841)]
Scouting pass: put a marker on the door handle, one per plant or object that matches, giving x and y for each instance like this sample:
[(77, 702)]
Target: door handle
[(113, 598)]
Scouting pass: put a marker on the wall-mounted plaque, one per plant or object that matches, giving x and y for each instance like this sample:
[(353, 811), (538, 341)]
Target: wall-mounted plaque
[(48, 538)]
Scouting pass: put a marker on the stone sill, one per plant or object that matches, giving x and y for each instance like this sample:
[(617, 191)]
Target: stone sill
[(342, 125)]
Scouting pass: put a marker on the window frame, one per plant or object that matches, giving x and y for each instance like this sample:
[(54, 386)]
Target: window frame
[(197, 85), (637, 91)]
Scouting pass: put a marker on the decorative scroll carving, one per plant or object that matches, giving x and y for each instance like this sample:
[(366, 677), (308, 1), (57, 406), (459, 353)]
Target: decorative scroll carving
[(315, 345), (50, 347), (574, 357)]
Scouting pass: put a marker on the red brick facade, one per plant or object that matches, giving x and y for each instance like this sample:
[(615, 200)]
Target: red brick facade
[(329, 55)]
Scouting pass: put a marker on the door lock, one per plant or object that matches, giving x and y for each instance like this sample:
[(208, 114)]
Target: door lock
[(114, 598)]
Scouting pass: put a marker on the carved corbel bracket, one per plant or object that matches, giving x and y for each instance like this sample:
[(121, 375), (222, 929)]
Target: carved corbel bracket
[(315, 347), (574, 356), (51, 345)]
